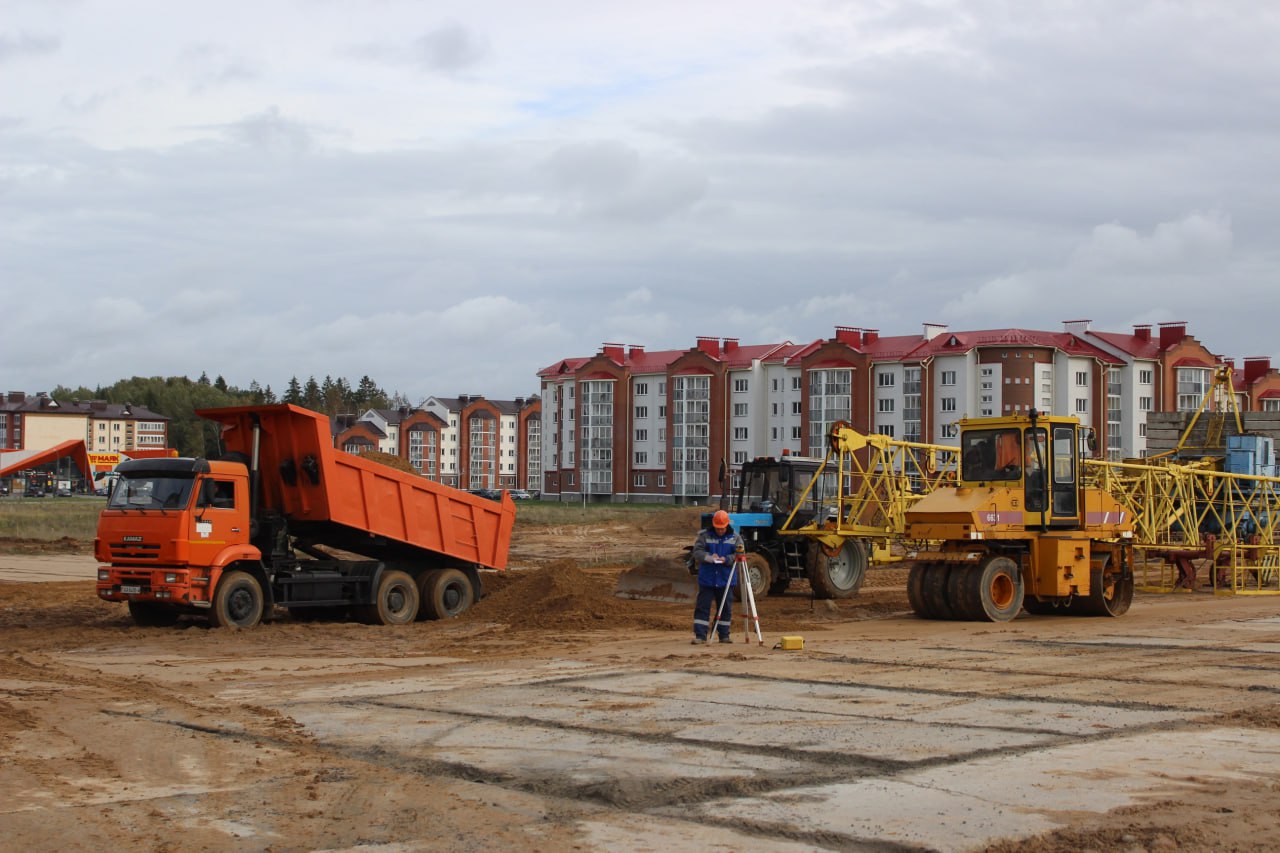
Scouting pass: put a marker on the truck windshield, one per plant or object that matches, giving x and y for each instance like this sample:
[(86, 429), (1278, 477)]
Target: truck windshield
[(143, 491)]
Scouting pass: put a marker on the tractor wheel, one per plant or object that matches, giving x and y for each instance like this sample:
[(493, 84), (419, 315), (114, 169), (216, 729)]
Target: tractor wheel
[(1110, 594), (238, 603), (148, 614), (915, 589), (995, 591), (935, 591), (448, 593), (757, 569), (839, 575), (395, 602)]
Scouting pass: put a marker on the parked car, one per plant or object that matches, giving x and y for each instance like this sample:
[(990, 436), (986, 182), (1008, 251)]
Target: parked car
[(63, 492), (34, 492), (520, 495), (491, 494)]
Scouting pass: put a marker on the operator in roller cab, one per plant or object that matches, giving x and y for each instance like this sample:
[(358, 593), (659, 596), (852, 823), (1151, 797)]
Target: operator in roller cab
[(714, 552)]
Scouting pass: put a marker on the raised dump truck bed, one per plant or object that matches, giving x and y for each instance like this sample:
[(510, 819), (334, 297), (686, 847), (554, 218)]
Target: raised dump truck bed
[(335, 498)]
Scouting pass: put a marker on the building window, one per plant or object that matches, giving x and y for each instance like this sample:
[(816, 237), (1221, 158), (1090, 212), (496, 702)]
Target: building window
[(1082, 405), (1193, 384), (948, 377), (740, 385), (642, 388), (885, 379), (739, 410), (1142, 430), (948, 404), (950, 430), (884, 405), (739, 457), (1145, 377), (797, 408), (642, 458), (796, 384), (830, 400), (642, 435), (739, 433), (1082, 378), (642, 412), (639, 480), (662, 481), (662, 411), (885, 429), (796, 432), (775, 410), (1271, 404)]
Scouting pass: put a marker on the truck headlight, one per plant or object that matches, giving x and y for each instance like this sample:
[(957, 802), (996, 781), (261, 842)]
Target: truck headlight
[(170, 577), (104, 575)]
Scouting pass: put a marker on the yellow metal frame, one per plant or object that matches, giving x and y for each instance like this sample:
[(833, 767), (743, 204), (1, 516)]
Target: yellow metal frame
[(878, 480)]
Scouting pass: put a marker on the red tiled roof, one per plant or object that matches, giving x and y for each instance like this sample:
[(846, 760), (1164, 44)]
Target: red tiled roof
[(1131, 344)]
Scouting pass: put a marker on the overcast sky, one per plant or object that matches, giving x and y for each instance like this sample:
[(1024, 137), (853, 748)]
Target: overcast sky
[(447, 197)]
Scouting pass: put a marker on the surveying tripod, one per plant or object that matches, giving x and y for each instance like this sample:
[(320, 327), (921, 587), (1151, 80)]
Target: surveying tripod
[(750, 616)]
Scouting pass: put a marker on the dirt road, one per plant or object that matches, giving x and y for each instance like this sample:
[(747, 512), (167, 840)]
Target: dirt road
[(557, 717)]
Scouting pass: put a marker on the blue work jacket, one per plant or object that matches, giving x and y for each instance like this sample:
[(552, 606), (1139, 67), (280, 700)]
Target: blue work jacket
[(711, 545)]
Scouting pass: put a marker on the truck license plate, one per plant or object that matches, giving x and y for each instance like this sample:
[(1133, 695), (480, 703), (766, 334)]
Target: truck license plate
[(128, 589)]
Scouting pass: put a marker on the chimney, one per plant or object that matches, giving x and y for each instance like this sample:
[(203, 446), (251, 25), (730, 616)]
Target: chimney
[(849, 335), (870, 336), (1142, 333), (711, 346), (17, 397), (636, 351), (932, 330), (612, 351), (463, 400), (1172, 333), (1255, 367), (1076, 327), (519, 401), (730, 344)]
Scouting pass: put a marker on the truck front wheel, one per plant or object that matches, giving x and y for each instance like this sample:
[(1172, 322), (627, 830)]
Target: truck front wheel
[(448, 592), (238, 601)]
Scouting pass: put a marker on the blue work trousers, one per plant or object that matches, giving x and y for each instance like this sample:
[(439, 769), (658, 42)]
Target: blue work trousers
[(705, 608)]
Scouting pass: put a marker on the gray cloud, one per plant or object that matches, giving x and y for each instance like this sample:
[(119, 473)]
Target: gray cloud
[(15, 47), (256, 215)]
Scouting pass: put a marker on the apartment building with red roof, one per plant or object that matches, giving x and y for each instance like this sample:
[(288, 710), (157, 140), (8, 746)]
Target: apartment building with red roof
[(628, 424)]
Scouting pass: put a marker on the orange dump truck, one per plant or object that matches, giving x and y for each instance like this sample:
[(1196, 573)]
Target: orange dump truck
[(283, 519)]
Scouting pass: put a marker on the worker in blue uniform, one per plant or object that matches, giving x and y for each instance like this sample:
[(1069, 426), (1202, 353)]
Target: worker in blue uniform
[(714, 553)]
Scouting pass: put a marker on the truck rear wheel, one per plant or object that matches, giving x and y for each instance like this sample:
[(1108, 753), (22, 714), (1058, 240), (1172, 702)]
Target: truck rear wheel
[(396, 600), (238, 602), (839, 575), (448, 593), (148, 614)]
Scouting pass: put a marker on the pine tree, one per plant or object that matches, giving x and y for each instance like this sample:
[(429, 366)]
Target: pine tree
[(293, 394)]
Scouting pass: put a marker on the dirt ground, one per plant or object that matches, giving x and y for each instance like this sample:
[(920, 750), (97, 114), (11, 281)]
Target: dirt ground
[(556, 716)]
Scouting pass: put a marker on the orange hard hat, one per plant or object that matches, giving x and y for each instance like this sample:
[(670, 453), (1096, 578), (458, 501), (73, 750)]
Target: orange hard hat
[(720, 519)]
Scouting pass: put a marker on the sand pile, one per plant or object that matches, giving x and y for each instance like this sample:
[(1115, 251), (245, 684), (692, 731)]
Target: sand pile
[(562, 597)]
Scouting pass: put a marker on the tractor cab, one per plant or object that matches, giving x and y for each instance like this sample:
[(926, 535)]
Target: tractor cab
[(1035, 455)]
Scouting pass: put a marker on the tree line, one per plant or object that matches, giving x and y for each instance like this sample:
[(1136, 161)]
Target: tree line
[(178, 397)]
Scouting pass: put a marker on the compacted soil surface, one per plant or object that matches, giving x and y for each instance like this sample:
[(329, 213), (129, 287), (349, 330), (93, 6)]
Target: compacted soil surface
[(557, 716)]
